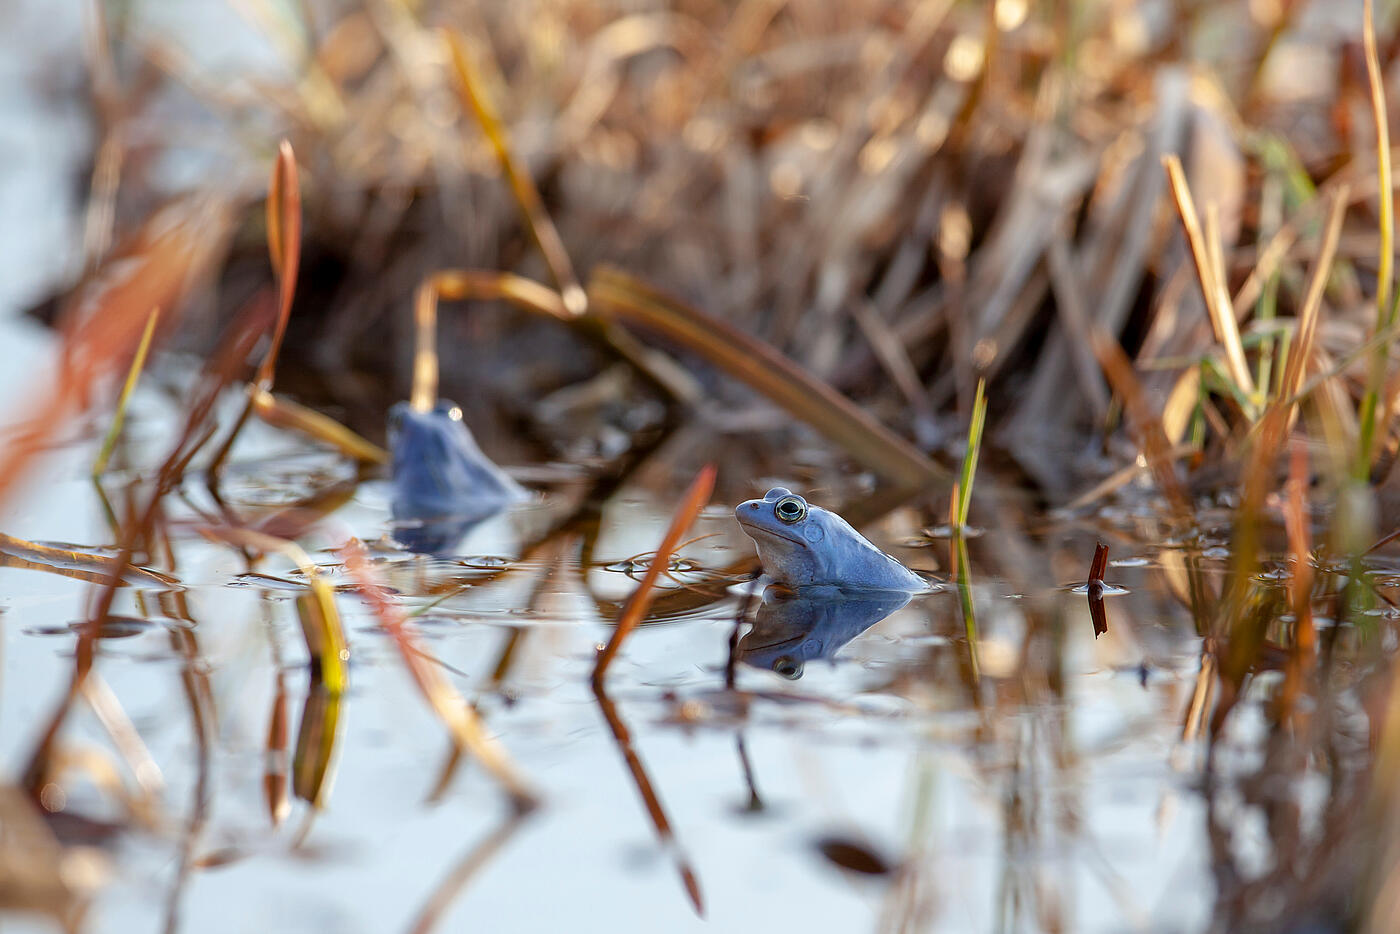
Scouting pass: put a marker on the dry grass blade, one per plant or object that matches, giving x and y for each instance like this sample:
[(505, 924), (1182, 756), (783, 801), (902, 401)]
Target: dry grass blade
[(459, 717), (1185, 400), (1202, 694), (1301, 354), (284, 413), (974, 450), (234, 350), (127, 741), (618, 295), (1385, 309), (1213, 286), (529, 295), (138, 362), (1117, 480), (1146, 425), (97, 568), (469, 87), (284, 248), (483, 285), (695, 498), (103, 325)]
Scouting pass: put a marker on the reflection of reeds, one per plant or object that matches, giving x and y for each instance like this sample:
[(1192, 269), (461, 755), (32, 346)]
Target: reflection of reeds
[(635, 609), (460, 718), (632, 614)]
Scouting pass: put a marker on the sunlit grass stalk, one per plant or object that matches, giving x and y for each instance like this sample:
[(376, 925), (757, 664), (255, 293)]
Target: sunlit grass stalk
[(473, 94), (463, 285), (284, 413), (1385, 310), (138, 363), (1269, 349), (1205, 252), (1299, 353), (633, 611), (616, 295), (974, 449), (1236, 617), (425, 355), (140, 527), (1266, 304)]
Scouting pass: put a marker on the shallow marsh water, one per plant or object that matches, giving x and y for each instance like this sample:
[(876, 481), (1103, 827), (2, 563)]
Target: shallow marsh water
[(1055, 795)]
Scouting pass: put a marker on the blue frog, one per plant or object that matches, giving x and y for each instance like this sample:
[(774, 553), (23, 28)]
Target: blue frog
[(801, 545), (442, 483)]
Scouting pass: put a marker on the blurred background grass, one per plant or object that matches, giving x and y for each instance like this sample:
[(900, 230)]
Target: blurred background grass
[(902, 196)]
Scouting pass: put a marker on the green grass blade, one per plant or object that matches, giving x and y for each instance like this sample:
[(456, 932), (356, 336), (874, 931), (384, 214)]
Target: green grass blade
[(974, 448)]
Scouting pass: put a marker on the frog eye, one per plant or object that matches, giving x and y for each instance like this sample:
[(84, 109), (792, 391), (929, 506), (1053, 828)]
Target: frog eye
[(788, 667), (790, 509), (451, 410)]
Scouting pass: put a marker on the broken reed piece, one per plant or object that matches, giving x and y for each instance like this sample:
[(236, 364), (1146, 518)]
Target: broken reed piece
[(1094, 589)]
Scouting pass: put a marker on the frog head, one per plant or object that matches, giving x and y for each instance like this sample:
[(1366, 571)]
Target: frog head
[(802, 545)]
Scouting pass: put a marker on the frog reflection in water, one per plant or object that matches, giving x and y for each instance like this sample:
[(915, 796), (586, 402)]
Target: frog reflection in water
[(442, 483), (795, 627), (801, 545)]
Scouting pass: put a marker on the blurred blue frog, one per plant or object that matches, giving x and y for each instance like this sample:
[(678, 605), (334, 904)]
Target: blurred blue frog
[(442, 483)]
